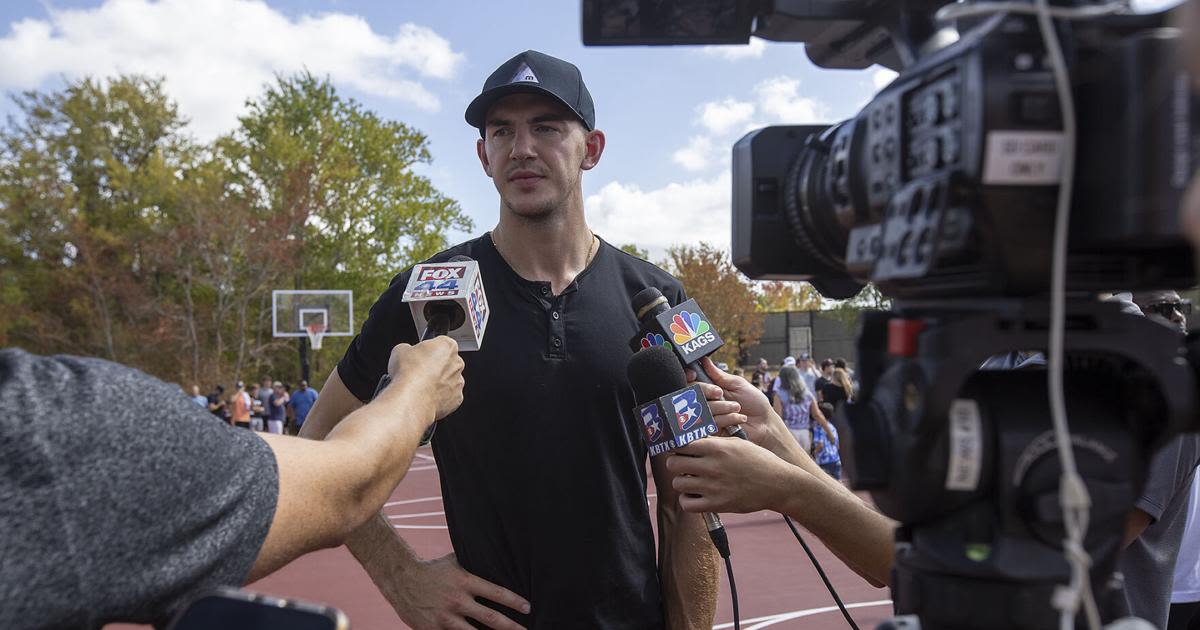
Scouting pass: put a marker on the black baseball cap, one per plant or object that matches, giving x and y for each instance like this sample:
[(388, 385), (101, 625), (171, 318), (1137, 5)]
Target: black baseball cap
[(537, 73)]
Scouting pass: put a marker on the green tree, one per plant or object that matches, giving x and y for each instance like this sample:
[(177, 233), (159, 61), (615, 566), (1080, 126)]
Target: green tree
[(634, 250), (868, 299), (724, 294), (122, 237), (776, 297), (344, 178), (85, 180)]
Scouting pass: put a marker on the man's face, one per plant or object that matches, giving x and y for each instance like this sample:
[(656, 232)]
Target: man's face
[(762, 364), (1165, 307), (303, 385), (195, 390), (534, 149)]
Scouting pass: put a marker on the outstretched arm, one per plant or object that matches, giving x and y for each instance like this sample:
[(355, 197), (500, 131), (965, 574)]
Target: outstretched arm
[(774, 473), (328, 489), (436, 593)]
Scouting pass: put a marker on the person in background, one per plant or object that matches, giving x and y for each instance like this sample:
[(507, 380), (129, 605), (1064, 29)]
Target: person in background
[(795, 403), (239, 407), (838, 390), (761, 378), (1165, 307), (807, 372), (1185, 589), (198, 398), (216, 402), (264, 396), (1155, 527), (788, 361), (300, 402), (825, 378), (257, 411), (825, 442), (277, 409)]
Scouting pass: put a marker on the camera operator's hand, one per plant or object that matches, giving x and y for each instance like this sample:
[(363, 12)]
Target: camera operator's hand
[(711, 475), (439, 593), (763, 426), (433, 370)]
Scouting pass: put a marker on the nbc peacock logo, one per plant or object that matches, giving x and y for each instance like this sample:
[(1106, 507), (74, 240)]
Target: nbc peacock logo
[(654, 339), (687, 326)]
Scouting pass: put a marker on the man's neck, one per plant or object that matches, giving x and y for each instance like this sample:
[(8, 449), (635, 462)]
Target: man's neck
[(553, 250)]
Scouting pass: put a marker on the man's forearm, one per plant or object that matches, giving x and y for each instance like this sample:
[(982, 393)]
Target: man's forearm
[(688, 565), (851, 529), (689, 571), (384, 555)]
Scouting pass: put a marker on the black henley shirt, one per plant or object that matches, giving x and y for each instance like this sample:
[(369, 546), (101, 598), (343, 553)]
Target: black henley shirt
[(543, 466)]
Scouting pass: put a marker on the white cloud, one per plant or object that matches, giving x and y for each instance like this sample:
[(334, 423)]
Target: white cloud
[(753, 50), (722, 116), (688, 212), (217, 53), (780, 98), (881, 77), (694, 156)]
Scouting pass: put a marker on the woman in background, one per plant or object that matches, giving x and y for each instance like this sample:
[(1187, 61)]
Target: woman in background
[(797, 406)]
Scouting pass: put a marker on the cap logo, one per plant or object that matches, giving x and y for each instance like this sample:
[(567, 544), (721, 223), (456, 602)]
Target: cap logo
[(524, 73)]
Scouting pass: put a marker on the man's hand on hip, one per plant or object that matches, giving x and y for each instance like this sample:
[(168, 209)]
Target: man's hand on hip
[(441, 594)]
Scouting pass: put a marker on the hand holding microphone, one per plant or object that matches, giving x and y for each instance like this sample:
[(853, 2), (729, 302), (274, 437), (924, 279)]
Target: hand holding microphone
[(435, 371), (683, 329), (446, 299), (673, 414)]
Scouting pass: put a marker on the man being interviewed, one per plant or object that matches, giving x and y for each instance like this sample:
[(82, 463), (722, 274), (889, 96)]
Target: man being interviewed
[(543, 467)]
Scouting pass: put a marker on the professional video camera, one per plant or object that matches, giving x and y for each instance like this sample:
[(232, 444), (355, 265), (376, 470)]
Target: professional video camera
[(943, 191)]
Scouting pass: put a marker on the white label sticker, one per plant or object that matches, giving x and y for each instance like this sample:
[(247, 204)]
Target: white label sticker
[(966, 445), (1023, 158)]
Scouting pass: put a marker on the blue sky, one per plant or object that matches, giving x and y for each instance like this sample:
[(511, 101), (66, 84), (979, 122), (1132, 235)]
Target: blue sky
[(669, 113)]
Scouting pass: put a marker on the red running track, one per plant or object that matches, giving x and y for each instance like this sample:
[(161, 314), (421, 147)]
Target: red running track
[(777, 585)]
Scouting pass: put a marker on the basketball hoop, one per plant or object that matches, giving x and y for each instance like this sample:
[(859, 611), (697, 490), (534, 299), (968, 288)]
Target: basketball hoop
[(316, 332)]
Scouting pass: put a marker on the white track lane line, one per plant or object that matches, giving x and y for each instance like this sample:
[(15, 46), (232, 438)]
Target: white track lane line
[(417, 515), (428, 458), (419, 527), (771, 620), (408, 501)]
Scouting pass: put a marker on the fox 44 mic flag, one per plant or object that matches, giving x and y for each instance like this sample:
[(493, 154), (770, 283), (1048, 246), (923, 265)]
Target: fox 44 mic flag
[(676, 419), (457, 282)]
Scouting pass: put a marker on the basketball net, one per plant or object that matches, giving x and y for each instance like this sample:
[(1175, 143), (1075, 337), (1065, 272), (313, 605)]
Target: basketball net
[(316, 332)]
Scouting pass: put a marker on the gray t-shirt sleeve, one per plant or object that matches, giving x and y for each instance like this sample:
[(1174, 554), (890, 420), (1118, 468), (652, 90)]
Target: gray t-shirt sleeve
[(1170, 475), (119, 497)]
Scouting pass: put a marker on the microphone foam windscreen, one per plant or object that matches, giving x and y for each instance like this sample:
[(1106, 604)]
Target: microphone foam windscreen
[(644, 297), (654, 372), (460, 258)]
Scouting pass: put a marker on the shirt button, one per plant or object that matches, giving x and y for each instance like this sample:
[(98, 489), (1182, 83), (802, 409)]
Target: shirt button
[(557, 342), (555, 315), (545, 290)]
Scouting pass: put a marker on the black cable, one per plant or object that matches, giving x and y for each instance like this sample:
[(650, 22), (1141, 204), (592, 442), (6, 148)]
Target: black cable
[(721, 541), (820, 572), (737, 619)]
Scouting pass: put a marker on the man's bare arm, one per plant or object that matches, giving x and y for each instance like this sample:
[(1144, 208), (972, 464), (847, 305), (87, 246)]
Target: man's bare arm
[(328, 489), (436, 593), (687, 560)]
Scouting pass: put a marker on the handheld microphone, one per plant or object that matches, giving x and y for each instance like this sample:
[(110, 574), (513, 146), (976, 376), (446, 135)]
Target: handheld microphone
[(672, 414), (445, 297), (442, 297), (684, 329)]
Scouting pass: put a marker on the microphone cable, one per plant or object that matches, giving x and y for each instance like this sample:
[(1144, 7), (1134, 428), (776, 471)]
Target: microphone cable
[(820, 572), (720, 540)]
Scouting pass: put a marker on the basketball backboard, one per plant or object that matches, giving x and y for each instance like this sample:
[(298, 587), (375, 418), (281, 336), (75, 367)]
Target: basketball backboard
[(305, 312)]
